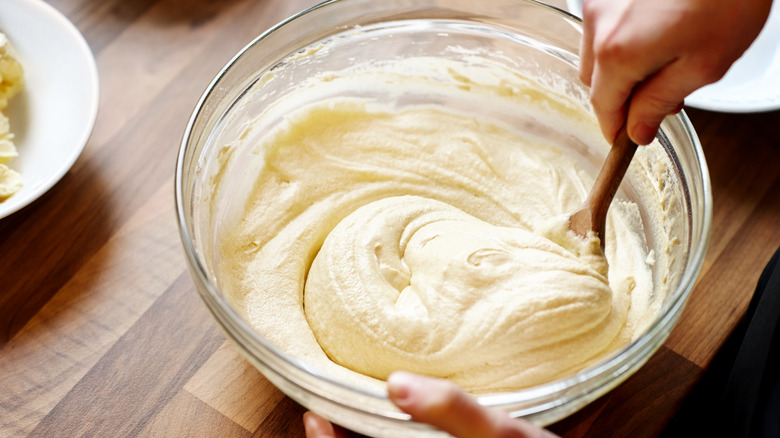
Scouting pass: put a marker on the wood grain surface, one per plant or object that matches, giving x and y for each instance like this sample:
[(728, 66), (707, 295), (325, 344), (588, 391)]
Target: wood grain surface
[(102, 332)]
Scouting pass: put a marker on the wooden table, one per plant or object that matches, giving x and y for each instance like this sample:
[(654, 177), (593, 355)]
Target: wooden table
[(103, 334)]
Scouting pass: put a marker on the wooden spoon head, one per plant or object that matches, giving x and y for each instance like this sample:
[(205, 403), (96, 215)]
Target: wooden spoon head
[(582, 222)]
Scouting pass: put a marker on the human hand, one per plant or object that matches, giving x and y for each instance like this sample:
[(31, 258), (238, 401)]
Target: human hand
[(441, 404), (641, 58)]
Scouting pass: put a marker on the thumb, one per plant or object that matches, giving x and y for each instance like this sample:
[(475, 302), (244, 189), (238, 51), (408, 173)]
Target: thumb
[(443, 405)]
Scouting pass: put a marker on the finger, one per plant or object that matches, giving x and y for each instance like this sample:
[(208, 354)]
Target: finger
[(658, 96), (443, 405), (318, 427), (609, 98), (438, 403), (586, 44), (625, 53)]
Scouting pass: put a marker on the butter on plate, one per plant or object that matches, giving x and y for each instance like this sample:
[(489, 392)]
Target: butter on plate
[(11, 82)]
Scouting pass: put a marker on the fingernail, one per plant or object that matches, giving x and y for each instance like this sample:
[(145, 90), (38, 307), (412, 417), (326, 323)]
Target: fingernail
[(643, 133), (309, 423), (399, 386)]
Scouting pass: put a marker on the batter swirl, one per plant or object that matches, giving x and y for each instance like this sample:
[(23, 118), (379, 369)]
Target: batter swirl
[(377, 239)]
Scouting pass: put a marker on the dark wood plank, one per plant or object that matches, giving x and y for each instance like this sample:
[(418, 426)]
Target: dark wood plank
[(101, 21), (187, 417), (632, 410), (721, 296), (285, 421), (231, 385), (88, 315), (742, 155), (142, 372)]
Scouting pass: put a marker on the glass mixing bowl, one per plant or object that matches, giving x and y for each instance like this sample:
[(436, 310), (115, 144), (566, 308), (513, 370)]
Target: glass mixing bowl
[(525, 36)]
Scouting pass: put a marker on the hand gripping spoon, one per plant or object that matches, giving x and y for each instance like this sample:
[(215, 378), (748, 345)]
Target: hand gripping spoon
[(592, 215)]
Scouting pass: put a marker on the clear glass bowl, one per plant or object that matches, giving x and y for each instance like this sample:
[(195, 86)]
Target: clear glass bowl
[(524, 35)]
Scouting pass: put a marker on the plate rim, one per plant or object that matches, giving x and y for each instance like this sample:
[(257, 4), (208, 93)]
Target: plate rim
[(66, 28)]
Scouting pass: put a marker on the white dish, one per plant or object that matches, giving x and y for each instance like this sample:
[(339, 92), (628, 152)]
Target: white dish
[(575, 7), (751, 85), (53, 116)]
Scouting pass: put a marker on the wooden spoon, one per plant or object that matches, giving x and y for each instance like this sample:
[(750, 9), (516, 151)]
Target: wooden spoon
[(592, 215)]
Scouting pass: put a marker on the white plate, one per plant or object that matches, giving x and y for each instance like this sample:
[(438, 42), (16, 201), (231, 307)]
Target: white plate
[(753, 82), (53, 116), (575, 7)]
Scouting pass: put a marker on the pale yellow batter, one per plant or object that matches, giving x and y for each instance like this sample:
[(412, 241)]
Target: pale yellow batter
[(378, 238), (11, 82)]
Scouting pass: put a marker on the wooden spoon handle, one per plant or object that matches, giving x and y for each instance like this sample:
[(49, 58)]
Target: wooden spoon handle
[(611, 174), (593, 214)]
